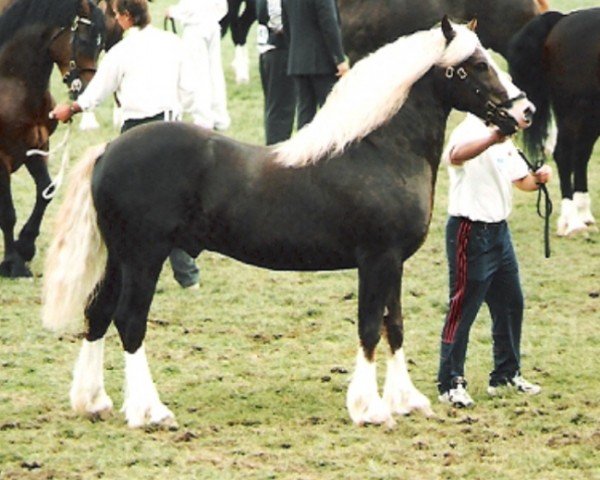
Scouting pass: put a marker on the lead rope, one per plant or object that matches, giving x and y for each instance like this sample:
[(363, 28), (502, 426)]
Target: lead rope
[(50, 191), (542, 190)]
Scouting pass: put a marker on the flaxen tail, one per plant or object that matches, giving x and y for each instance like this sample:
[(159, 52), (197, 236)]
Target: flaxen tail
[(76, 259)]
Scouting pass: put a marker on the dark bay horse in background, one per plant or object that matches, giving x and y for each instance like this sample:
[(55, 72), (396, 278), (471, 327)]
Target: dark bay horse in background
[(556, 60), (239, 21), (353, 189), (35, 35), (367, 25)]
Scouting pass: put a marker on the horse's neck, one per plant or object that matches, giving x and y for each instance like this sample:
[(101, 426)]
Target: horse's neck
[(418, 128), (27, 58), (456, 8)]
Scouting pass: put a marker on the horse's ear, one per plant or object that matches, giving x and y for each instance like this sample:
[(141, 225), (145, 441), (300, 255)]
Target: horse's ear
[(449, 32), (472, 25), (83, 8)]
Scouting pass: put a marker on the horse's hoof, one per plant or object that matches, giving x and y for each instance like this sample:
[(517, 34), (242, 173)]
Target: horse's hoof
[(12, 269), (5, 268)]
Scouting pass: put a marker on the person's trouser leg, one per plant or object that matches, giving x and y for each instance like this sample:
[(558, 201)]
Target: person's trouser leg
[(279, 96), (322, 86), (217, 82), (470, 269), (506, 304), (199, 64), (184, 268), (307, 103)]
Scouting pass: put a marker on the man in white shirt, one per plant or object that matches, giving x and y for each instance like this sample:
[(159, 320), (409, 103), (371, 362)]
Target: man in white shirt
[(153, 78), (202, 36), (483, 166)]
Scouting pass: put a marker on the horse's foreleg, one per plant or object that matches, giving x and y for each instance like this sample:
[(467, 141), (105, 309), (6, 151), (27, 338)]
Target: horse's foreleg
[(13, 265), (241, 64), (240, 25), (245, 21), (142, 404), (363, 401), (38, 170), (399, 392)]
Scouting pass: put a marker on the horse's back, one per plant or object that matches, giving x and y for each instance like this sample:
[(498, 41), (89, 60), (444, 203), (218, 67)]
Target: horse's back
[(367, 26), (154, 179)]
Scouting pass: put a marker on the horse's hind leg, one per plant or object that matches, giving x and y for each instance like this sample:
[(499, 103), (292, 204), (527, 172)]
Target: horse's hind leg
[(583, 151), (377, 275), (399, 392), (569, 221), (13, 265), (142, 404), (87, 393), (38, 170)]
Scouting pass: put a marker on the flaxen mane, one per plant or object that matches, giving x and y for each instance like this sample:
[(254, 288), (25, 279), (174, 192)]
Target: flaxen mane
[(361, 101)]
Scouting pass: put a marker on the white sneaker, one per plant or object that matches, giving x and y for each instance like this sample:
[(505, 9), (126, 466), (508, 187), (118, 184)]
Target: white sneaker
[(457, 397), (518, 383)]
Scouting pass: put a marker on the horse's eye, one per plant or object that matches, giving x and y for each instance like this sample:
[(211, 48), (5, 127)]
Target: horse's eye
[(481, 67)]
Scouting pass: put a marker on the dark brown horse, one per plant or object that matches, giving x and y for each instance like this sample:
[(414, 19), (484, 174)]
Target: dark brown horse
[(353, 189), (556, 60), (367, 25), (34, 36)]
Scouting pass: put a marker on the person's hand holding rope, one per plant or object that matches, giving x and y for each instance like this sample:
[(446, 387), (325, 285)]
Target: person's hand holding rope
[(63, 112)]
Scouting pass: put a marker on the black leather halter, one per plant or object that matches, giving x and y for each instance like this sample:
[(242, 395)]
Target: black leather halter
[(495, 112), (73, 76)]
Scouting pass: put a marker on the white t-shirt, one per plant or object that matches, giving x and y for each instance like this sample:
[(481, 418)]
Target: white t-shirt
[(481, 188), (151, 72)]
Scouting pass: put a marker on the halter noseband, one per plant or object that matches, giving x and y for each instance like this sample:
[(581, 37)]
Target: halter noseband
[(73, 76), (495, 112)]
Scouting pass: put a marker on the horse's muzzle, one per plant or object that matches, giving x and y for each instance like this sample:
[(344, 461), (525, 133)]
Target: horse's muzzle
[(502, 119)]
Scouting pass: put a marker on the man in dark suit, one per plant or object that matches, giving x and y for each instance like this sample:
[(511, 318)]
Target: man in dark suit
[(316, 56), (278, 87)]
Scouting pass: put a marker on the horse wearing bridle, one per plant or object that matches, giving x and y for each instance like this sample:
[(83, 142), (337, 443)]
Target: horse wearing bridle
[(35, 35), (353, 189)]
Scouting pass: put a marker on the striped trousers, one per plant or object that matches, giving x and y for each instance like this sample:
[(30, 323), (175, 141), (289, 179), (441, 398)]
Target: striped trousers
[(482, 267)]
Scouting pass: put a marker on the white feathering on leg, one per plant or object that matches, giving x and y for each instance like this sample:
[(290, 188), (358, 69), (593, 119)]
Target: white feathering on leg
[(363, 401), (399, 391), (88, 396), (142, 405)]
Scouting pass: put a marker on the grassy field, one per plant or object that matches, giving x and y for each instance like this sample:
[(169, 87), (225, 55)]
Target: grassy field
[(255, 364)]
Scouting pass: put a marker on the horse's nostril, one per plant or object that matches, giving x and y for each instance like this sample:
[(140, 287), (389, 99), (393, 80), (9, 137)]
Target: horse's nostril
[(528, 114)]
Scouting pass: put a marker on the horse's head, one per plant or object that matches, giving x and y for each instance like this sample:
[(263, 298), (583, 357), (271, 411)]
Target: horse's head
[(114, 32), (75, 48), (475, 84)]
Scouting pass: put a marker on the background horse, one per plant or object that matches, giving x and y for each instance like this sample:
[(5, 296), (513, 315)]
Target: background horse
[(34, 35), (353, 189), (113, 33), (556, 60), (239, 24), (367, 26)]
